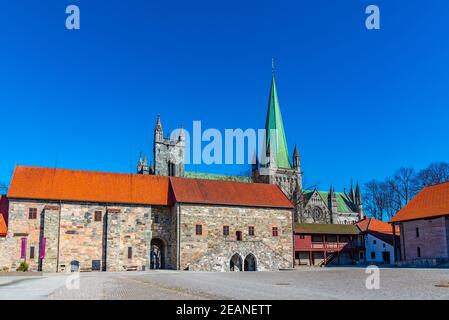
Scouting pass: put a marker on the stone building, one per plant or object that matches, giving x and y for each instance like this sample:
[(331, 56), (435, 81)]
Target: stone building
[(424, 227), (64, 220)]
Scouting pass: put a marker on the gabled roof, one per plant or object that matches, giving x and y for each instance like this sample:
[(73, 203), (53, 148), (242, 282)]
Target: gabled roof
[(321, 228), (344, 204), (202, 191), (89, 186), (430, 202), (375, 225)]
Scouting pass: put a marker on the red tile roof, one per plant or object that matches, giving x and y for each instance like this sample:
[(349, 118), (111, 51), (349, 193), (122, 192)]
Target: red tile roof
[(228, 193), (77, 185), (3, 227), (432, 201), (3, 215), (371, 224)]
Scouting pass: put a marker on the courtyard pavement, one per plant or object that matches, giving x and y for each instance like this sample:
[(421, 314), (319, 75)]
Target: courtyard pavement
[(307, 283)]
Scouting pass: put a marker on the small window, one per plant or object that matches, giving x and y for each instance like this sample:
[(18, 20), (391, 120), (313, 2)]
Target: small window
[(373, 255), (130, 252), (199, 229), (317, 238), (417, 232), (301, 236), (97, 216), (238, 235), (275, 231), (32, 213), (96, 265), (156, 218), (251, 230), (374, 241), (384, 245), (344, 238), (226, 230), (418, 251), (31, 252)]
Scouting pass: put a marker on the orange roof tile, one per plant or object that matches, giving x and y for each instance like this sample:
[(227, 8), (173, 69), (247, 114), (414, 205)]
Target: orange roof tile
[(432, 201), (3, 215), (228, 193), (77, 185), (371, 224), (3, 228)]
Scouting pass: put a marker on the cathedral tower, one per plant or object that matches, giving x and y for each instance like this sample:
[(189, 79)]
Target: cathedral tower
[(277, 168), (168, 154)]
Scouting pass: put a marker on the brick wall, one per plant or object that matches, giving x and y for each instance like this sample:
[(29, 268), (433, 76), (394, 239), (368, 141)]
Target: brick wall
[(432, 240)]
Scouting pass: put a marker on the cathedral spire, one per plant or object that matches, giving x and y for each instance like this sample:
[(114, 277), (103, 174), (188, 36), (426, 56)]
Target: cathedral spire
[(358, 194), (274, 129), (158, 131), (296, 159), (352, 193)]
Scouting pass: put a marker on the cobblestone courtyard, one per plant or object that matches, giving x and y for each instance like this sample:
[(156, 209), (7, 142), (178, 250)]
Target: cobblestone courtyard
[(332, 283)]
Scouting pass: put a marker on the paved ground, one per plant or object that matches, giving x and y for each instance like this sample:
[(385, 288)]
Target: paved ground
[(331, 283)]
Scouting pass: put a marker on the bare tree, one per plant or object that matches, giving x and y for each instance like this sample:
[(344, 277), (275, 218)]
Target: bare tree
[(437, 172), (379, 200), (403, 185)]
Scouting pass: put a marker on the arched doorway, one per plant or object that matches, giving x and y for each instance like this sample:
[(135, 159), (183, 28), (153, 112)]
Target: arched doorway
[(250, 263), (157, 254), (236, 263)]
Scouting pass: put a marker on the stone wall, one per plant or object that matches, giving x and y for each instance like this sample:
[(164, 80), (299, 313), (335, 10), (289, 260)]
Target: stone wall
[(212, 251), (432, 240), (164, 228), (20, 226), (6, 250), (73, 235), (128, 227)]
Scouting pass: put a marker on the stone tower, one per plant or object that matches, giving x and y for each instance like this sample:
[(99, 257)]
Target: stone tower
[(168, 154), (277, 168)]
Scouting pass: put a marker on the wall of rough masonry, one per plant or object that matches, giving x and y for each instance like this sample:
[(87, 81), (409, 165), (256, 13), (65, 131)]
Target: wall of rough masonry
[(81, 237), (212, 251), (164, 228), (20, 226), (128, 227), (6, 250), (72, 234)]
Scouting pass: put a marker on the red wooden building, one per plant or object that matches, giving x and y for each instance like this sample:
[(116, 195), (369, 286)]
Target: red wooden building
[(323, 244)]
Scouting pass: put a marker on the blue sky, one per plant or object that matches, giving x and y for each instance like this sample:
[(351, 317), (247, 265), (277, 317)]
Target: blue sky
[(358, 103)]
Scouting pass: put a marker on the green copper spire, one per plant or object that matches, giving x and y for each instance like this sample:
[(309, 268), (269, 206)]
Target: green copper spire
[(274, 121)]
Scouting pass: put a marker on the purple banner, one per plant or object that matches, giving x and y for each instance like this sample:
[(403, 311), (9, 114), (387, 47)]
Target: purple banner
[(43, 243), (23, 250)]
